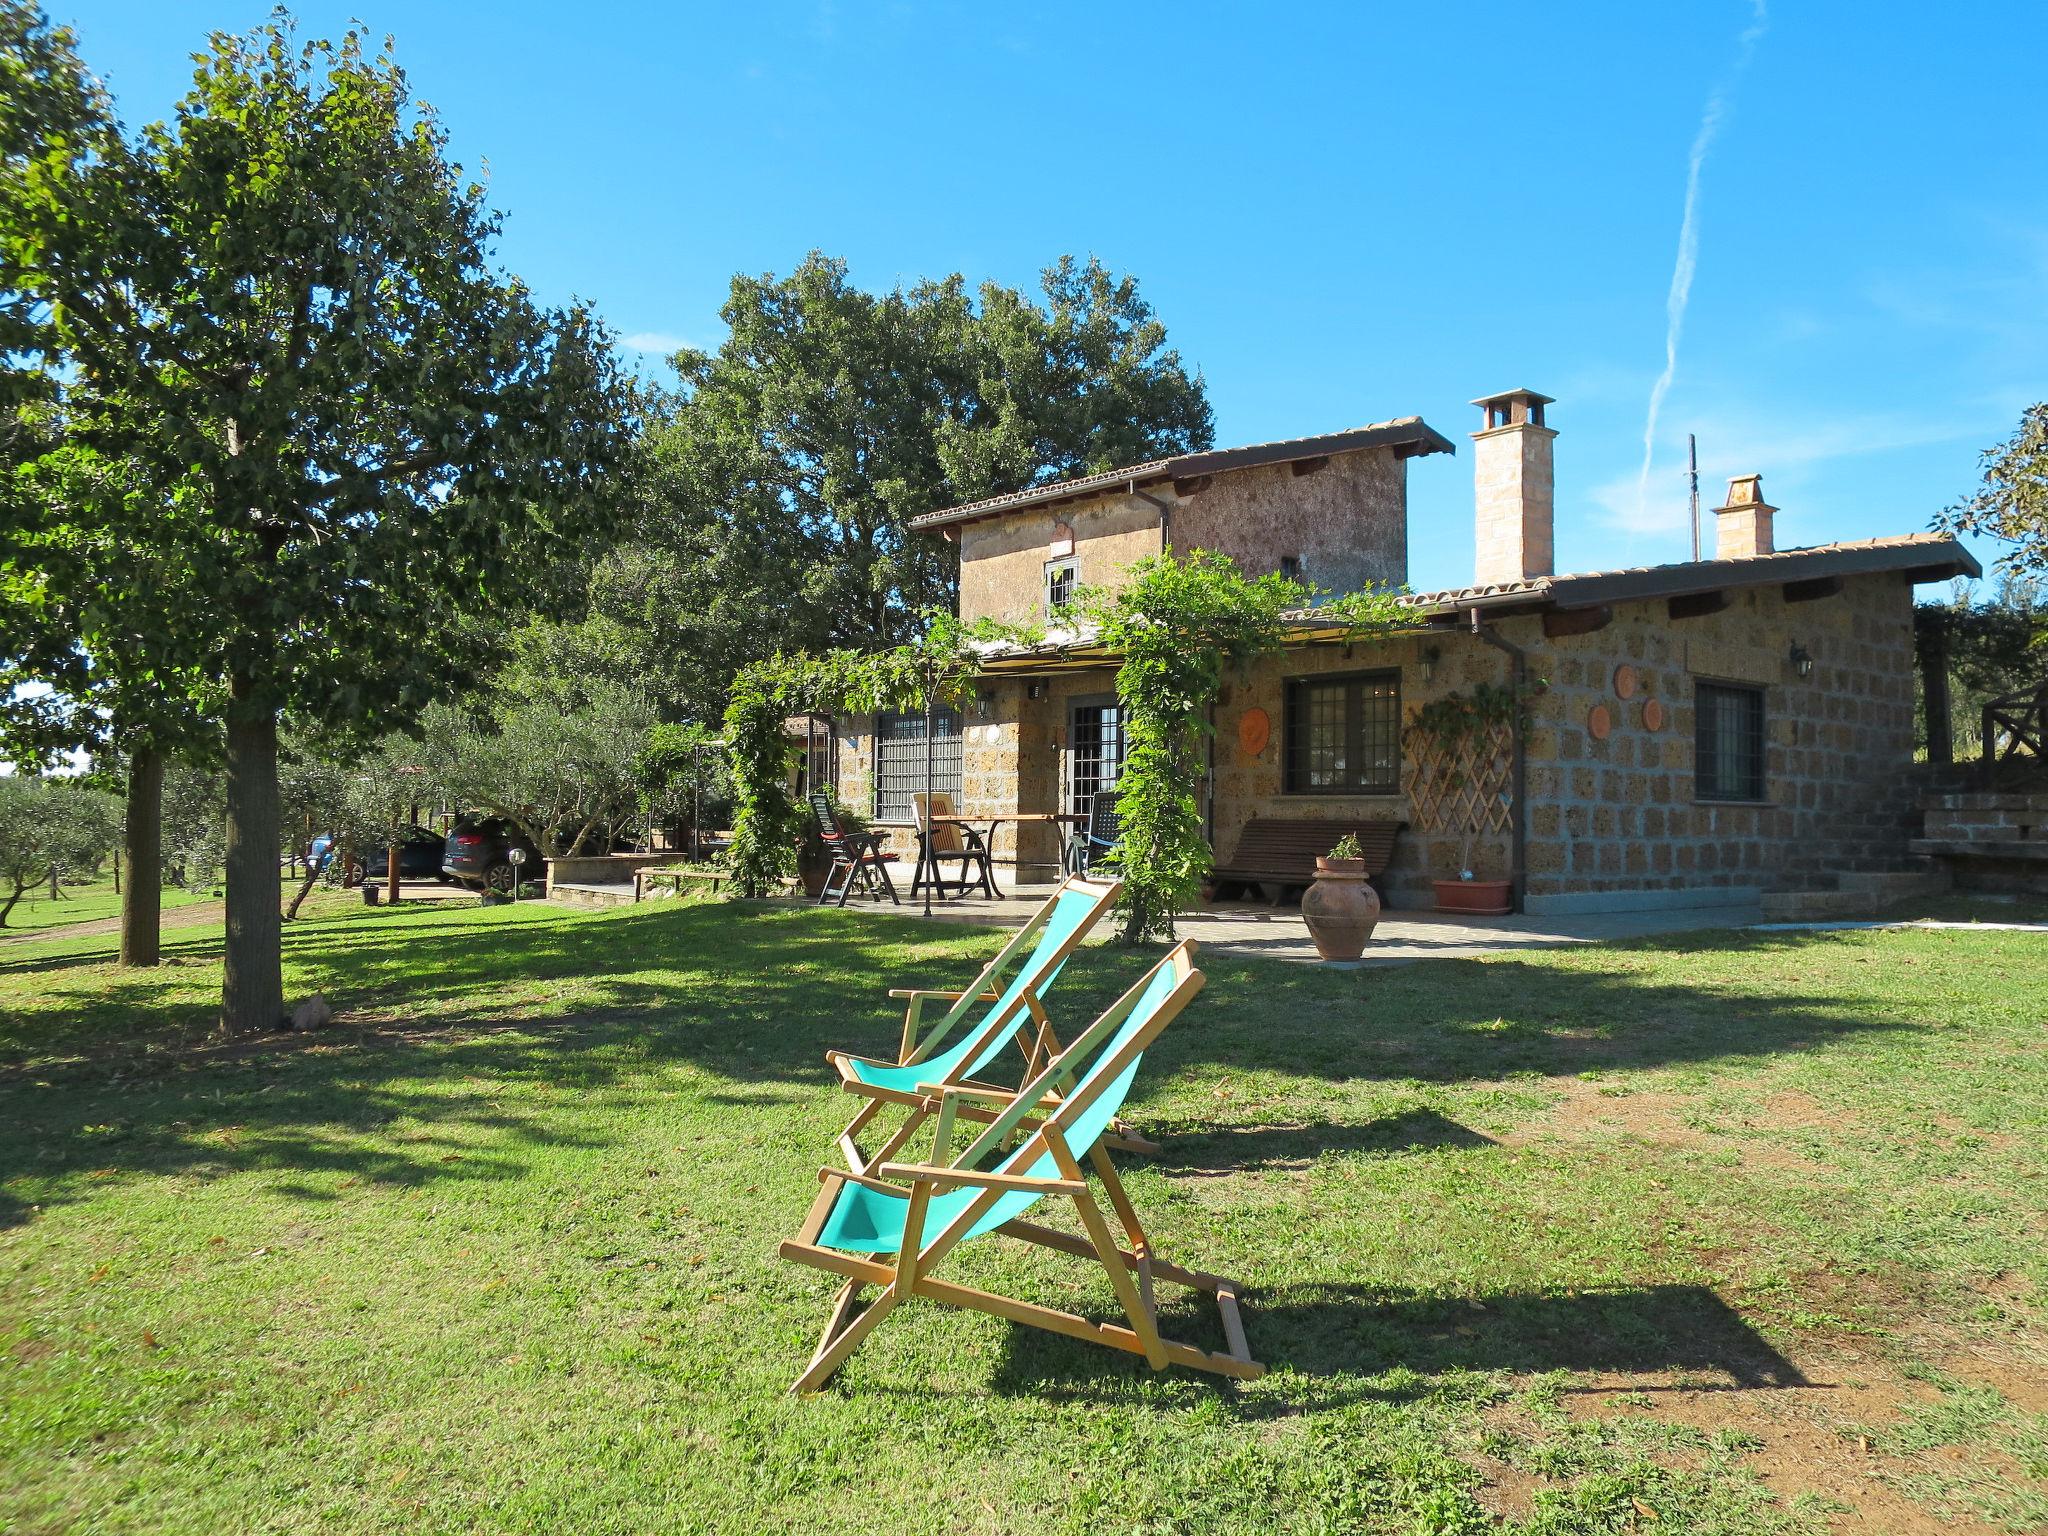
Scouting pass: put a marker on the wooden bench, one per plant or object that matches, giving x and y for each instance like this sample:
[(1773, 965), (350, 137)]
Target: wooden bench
[(1281, 851)]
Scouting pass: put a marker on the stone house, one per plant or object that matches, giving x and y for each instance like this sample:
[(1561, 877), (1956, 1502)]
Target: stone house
[(1696, 733)]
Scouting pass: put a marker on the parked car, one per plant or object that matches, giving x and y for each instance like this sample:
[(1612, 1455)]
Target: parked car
[(479, 853), (420, 856)]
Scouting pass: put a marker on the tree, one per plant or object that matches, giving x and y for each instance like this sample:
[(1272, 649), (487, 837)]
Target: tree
[(784, 475), (56, 124), (277, 313), (552, 741), (2013, 503), (49, 827)]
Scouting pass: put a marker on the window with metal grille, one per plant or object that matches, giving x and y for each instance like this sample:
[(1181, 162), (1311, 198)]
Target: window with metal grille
[(1728, 742), (1096, 730), (1344, 735), (899, 761), (1060, 577)]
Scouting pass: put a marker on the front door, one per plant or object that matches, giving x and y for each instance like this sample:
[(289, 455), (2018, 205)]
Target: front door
[(1095, 749)]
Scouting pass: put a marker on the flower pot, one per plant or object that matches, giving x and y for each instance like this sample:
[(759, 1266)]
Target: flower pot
[(1476, 898), (1340, 909), (812, 868)]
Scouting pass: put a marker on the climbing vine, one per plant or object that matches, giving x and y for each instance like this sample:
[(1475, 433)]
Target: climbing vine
[(935, 671), (1179, 623)]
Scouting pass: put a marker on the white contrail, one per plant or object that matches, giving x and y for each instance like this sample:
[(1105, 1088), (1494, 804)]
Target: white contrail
[(1689, 240)]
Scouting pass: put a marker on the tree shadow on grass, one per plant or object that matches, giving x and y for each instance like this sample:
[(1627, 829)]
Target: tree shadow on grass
[(755, 997), (1216, 1152), (1346, 1340)]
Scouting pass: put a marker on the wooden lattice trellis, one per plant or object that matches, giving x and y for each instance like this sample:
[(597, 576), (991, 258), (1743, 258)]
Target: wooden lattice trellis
[(1462, 782)]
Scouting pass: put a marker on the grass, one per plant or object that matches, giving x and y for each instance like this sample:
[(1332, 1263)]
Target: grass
[(79, 904), (1724, 1233)]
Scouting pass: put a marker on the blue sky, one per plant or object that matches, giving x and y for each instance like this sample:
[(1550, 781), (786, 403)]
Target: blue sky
[(1343, 213)]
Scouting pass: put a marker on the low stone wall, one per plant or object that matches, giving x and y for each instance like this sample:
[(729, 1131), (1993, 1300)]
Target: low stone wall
[(602, 868)]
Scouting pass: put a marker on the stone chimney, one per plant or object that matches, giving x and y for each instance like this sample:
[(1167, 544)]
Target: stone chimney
[(1742, 528), (1513, 488)]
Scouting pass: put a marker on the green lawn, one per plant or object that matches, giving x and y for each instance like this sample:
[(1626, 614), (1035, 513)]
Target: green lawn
[(1736, 1233), (79, 904)]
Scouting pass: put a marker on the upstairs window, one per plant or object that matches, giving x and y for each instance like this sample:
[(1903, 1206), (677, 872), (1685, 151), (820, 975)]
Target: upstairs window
[(1061, 576), (1344, 735), (1290, 567), (1728, 742)]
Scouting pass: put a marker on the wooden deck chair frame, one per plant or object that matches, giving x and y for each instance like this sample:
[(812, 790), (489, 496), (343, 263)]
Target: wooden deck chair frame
[(940, 836), (1038, 1043), (1043, 1117)]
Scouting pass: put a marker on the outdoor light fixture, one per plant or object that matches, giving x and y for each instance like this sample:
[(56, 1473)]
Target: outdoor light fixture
[(1431, 655), (1034, 690), (1802, 663), (984, 705)]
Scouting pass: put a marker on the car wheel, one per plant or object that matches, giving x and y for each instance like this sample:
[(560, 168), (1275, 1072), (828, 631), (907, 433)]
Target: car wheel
[(500, 877)]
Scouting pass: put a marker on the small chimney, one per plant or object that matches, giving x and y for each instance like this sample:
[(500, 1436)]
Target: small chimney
[(1513, 488), (1742, 528)]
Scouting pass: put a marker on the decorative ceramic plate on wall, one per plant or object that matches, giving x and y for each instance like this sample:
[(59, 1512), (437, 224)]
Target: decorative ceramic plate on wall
[(1624, 681), (1598, 722), (1254, 730), (1653, 715)]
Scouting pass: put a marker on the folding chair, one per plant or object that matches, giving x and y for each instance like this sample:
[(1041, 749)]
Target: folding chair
[(853, 854), (1091, 842), (942, 840), (959, 1046), (896, 1234)]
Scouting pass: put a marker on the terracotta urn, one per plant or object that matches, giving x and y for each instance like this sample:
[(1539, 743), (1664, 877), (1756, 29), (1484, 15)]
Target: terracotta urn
[(1340, 909)]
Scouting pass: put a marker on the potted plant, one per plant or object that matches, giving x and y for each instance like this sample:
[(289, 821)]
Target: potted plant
[(1471, 895), (1340, 909)]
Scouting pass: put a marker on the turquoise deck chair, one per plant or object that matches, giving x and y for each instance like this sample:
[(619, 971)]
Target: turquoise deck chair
[(893, 1226), (963, 1043)]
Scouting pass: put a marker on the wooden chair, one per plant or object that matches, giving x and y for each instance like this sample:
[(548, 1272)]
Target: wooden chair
[(894, 1226), (855, 854), (1092, 842), (941, 840), (960, 1046)]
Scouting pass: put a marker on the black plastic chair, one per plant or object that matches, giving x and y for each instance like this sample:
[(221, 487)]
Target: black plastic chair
[(1091, 843), (855, 855)]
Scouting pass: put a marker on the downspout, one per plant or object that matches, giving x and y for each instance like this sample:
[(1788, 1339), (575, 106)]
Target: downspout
[(1165, 511), (1518, 815)]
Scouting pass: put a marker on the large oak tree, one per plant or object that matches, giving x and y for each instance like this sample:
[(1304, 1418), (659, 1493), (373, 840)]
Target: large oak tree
[(362, 443)]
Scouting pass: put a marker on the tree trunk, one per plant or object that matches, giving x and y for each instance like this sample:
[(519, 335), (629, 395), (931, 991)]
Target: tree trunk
[(20, 886), (1934, 698), (305, 889), (252, 992), (143, 898), (391, 873)]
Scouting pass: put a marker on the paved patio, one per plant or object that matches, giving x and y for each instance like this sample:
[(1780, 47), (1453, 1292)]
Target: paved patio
[(1402, 936)]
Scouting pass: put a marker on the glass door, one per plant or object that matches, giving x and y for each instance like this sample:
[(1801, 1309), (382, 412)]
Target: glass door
[(1095, 750)]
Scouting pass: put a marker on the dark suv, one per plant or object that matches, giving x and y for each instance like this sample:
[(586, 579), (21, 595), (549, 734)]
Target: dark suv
[(479, 854)]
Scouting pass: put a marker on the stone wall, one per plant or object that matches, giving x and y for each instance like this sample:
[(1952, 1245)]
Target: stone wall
[(1346, 522), (1002, 559), (1620, 814)]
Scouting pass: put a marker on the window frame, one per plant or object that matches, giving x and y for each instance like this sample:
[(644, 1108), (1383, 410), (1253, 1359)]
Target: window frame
[(947, 777), (1706, 786), (1060, 565), (1295, 741)]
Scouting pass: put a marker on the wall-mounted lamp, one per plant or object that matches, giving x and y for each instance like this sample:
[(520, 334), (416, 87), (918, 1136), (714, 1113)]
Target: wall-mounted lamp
[(1034, 690), (1431, 655), (984, 705), (1802, 663)]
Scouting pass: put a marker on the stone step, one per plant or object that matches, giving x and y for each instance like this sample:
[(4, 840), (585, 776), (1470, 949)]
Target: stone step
[(1895, 884)]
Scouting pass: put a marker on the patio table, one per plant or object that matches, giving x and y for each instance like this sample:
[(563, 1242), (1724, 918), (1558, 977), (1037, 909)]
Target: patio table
[(983, 827)]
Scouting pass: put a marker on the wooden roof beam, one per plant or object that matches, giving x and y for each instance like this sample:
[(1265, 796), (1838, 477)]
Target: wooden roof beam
[(1560, 622), (1697, 605), (1814, 590)]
